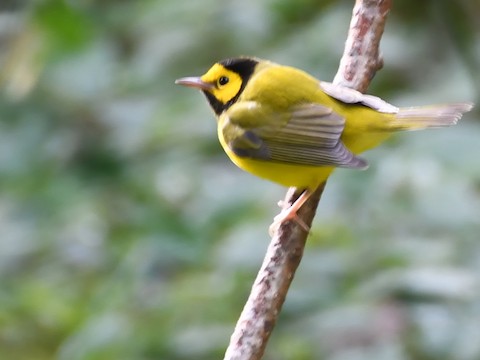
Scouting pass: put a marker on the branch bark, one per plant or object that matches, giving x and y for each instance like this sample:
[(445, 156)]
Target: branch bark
[(358, 65)]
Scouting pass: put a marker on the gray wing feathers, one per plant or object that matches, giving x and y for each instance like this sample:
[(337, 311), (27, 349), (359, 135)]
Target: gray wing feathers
[(310, 137), (338, 156)]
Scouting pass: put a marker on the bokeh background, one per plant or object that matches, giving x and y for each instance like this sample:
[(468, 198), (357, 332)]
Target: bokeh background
[(126, 233)]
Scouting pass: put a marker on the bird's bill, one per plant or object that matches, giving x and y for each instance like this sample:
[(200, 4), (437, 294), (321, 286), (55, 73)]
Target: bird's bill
[(195, 82)]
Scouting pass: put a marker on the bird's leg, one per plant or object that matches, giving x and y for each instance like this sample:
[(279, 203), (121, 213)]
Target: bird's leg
[(290, 213)]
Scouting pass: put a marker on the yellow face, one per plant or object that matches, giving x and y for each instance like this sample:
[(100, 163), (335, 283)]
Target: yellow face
[(227, 83)]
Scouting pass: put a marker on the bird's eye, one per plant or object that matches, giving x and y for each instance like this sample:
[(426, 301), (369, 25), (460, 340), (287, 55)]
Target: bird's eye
[(223, 80)]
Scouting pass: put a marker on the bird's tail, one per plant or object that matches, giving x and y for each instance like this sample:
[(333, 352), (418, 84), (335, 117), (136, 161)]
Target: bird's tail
[(430, 116)]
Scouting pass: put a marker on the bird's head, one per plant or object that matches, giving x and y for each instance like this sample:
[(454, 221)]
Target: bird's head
[(223, 83)]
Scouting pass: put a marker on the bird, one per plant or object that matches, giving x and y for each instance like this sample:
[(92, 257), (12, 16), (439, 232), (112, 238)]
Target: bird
[(282, 124)]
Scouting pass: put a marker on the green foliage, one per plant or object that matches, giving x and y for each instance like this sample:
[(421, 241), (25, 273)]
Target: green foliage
[(125, 233), (67, 27)]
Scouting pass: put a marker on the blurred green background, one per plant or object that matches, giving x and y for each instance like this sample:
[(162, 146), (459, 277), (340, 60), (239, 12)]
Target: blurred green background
[(126, 233)]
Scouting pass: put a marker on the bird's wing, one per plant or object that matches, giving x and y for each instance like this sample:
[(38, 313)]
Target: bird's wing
[(351, 96), (308, 134)]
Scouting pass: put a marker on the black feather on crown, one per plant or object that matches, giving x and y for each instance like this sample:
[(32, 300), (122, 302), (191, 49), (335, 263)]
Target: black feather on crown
[(243, 66)]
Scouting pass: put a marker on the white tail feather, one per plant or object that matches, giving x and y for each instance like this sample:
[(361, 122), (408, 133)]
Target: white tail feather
[(432, 116)]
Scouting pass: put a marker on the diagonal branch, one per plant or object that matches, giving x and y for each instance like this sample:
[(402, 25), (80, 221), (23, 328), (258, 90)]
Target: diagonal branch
[(358, 65)]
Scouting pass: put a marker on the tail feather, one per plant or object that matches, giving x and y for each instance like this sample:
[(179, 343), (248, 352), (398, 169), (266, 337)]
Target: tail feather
[(431, 116)]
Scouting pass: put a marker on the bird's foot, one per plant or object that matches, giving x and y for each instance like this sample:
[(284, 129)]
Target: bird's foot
[(285, 216), (289, 213)]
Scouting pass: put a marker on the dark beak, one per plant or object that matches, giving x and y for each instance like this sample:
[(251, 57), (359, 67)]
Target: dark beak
[(195, 82)]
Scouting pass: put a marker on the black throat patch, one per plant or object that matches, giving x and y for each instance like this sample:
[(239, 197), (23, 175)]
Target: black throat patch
[(243, 67)]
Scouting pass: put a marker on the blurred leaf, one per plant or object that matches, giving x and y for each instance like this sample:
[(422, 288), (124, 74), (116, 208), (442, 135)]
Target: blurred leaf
[(67, 27)]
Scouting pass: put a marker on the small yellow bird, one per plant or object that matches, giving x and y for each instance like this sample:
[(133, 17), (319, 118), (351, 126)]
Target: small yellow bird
[(282, 124)]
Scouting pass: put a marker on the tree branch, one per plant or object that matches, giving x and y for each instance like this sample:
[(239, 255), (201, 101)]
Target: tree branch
[(358, 65), (361, 57)]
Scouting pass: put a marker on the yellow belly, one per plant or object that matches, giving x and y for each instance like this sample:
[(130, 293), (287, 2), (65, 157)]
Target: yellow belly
[(284, 174)]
